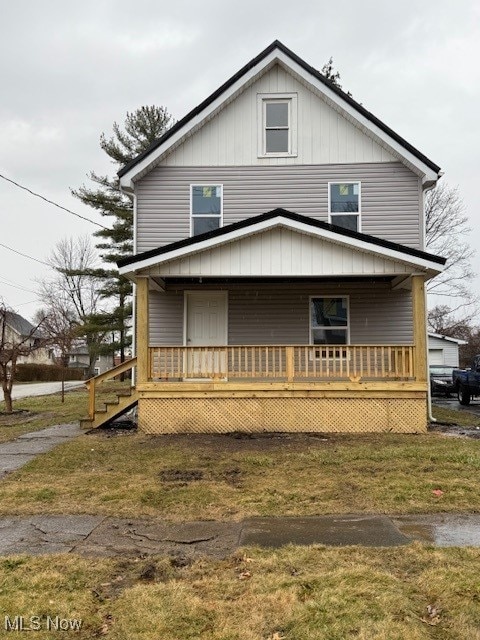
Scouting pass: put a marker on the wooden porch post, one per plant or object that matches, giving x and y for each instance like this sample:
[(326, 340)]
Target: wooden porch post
[(142, 330), (419, 328)]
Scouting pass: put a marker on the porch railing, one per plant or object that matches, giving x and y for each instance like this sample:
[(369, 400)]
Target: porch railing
[(282, 362)]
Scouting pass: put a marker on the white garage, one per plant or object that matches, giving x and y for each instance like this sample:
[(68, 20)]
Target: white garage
[(443, 350)]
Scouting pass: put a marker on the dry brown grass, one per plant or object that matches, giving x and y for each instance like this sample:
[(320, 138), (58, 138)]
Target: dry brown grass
[(295, 593), (33, 414), (223, 478)]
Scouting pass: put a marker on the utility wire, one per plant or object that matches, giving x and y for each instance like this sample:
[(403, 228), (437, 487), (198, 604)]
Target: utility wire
[(22, 304), (51, 202), (25, 255), (16, 287)]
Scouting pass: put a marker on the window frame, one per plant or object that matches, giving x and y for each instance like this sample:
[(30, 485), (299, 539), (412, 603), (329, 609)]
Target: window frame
[(346, 213), (220, 217), (310, 328), (292, 100)]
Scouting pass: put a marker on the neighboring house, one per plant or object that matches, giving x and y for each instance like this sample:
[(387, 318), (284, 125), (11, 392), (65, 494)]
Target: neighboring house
[(443, 350), (18, 329), (280, 262), (78, 358)]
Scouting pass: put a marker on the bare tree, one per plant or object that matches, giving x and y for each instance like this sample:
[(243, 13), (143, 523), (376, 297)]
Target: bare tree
[(446, 226), (75, 288), (446, 230), (14, 343), (60, 329)]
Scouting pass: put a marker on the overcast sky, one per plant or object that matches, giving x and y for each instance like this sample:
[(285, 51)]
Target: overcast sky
[(68, 70)]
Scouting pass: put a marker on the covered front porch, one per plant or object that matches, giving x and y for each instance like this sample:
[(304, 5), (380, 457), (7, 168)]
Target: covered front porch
[(224, 387), (281, 324)]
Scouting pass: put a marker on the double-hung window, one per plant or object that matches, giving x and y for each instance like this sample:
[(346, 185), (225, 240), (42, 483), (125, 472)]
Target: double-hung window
[(329, 320), (206, 208), (344, 204), (277, 124)]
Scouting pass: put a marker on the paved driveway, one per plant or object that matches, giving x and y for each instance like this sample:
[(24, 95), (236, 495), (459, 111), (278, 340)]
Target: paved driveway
[(453, 403), (41, 388)]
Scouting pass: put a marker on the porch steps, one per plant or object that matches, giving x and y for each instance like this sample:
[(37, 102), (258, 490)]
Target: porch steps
[(112, 410)]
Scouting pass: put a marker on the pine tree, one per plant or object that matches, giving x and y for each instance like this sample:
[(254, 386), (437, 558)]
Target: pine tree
[(141, 128), (328, 70)]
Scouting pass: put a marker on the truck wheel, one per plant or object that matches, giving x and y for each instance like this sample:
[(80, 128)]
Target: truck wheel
[(463, 396)]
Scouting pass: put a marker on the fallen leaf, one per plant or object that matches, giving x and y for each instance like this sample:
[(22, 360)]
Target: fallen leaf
[(433, 617), (245, 575)]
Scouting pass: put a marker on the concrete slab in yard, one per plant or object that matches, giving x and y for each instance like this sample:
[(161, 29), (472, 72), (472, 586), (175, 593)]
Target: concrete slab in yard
[(13, 462), (116, 536), (57, 431), (44, 534), (442, 529), (32, 446), (371, 531)]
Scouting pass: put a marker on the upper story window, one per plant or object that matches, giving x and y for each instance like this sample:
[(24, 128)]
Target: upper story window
[(206, 208), (344, 204), (277, 124)]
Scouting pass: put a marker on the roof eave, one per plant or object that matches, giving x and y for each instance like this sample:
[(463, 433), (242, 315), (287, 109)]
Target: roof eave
[(425, 262), (277, 52)]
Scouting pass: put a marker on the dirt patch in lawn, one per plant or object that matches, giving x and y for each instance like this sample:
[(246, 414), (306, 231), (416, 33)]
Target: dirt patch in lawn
[(180, 475), (456, 431), (243, 442)]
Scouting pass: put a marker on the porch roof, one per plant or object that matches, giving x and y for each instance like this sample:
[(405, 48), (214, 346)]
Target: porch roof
[(281, 243)]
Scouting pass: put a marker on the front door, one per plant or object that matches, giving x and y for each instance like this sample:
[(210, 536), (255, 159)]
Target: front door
[(206, 326)]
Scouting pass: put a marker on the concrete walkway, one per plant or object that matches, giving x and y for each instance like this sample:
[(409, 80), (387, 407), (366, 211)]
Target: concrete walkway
[(42, 388), (107, 536), (16, 453)]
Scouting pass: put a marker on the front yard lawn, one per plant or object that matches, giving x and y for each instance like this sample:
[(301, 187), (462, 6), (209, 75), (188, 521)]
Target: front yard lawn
[(294, 593), (413, 592), (201, 477)]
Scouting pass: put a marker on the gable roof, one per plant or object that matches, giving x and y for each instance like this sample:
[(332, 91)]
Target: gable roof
[(22, 326), (302, 224), (275, 52)]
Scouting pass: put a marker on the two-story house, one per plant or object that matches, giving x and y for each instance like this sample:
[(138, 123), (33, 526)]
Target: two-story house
[(29, 340), (279, 262)]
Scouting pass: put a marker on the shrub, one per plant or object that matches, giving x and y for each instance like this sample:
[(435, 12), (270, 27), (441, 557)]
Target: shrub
[(45, 373)]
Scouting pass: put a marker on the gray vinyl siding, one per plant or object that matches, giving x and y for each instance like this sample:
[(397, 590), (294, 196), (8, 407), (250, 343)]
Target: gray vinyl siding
[(166, 317), (390, 203), (279, 314)]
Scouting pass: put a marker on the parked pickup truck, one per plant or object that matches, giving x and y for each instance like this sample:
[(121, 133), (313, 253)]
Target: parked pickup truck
[(467, 381)]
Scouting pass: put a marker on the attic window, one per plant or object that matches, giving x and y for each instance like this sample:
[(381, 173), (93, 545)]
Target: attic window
[(277, 124)]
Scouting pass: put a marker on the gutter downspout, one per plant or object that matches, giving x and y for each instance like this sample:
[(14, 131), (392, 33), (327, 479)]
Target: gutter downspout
[(429, 393)]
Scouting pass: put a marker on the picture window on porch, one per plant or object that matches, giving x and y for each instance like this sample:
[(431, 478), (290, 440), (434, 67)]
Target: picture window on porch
[(329, 320), (344, 204), (206, 208)]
